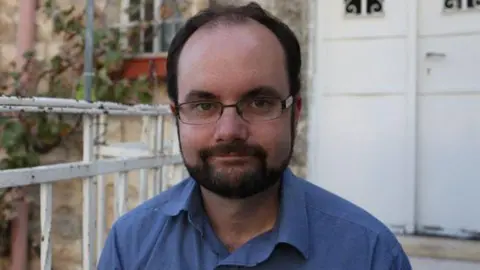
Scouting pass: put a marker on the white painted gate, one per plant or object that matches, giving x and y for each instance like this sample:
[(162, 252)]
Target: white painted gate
[(157, 152), (395, 117)]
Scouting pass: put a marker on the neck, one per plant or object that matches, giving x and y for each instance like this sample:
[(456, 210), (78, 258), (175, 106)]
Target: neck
[(236, 221)]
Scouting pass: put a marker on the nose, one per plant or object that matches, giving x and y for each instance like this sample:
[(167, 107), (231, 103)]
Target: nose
[(231, 126)]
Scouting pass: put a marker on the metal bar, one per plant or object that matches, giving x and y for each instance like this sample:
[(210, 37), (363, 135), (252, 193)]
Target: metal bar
[(126, 150), (157, 26), (143, 193), (89, 43), (66, 171), (79, 111), (124, 19), (158, 136), (168, 170), (178, 169), (120, 190), (46, 226), (47, 103), (101, 220), (89, 216), (142, 21)]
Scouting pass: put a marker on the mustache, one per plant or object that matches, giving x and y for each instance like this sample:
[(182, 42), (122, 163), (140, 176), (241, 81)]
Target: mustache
[(235, 147)]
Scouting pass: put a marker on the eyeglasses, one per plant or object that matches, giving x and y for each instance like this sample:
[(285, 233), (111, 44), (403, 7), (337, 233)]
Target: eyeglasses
[(254, 109)]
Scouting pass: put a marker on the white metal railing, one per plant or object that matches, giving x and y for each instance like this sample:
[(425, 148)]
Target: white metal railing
[(156, 152)]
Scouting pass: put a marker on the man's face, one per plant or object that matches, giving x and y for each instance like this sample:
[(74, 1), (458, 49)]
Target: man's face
[(232, 157)]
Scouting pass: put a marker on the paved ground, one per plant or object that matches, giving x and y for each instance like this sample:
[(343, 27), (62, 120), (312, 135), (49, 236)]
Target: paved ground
[(431, 264)]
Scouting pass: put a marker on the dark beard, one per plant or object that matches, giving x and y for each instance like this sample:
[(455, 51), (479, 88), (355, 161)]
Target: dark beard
[(237, 185)]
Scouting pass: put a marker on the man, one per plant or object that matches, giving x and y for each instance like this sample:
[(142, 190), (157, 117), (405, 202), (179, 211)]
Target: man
[(233, 79)]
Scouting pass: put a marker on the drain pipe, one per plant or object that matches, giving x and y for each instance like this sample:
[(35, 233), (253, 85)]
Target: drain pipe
[(25, 42)]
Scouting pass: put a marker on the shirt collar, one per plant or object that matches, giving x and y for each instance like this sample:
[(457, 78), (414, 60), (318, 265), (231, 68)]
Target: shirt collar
[(292, 228)]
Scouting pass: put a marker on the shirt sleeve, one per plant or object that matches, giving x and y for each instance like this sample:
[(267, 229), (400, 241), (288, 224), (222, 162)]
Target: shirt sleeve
[(388, 254), (110, 259), (401, 261)]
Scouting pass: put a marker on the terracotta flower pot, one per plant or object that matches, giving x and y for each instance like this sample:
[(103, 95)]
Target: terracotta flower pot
[(145, 66)]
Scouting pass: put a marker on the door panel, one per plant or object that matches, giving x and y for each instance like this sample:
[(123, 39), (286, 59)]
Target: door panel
[(449, 163), (376, 75), (443, 17), (360, 151), (358, 119), (450, 64), (449, 120), (363, 18)]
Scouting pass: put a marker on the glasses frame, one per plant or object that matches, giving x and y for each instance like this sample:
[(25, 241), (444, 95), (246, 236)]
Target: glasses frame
[(285, 103)]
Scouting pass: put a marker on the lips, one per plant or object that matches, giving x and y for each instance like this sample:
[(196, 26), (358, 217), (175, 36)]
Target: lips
[(233, 151), (233, 154), (231, 158)]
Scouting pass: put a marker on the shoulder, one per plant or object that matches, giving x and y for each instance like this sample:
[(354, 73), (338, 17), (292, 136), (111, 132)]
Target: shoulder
[(153, 213), (348, 220), (136, 233)]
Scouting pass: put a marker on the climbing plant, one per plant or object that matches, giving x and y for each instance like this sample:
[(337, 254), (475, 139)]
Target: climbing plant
[(25, 137)]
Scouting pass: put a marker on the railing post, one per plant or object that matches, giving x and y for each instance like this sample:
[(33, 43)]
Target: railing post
[(145, 138), (156, 135), (46, 226), (178, 170), (158, 151), (101, 216), (89, 215), (121, 191)]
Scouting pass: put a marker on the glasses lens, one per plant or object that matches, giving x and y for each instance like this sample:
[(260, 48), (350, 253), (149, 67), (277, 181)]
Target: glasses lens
[(261, 109), (200, 112)]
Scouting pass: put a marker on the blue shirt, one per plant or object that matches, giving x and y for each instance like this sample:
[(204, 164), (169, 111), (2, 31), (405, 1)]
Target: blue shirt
[(315, 230)]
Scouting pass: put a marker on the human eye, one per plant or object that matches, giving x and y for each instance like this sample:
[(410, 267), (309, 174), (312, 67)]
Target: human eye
[(203, 106), (263, 103)]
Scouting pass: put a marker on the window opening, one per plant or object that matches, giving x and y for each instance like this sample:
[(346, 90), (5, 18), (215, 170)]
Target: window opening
[(364, 7)]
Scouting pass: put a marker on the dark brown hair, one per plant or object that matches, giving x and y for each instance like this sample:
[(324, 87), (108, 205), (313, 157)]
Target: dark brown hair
[(235, 14)]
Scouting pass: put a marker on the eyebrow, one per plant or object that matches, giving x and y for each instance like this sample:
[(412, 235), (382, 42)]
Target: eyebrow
[(195, 95), (265, 91), (262, 91)]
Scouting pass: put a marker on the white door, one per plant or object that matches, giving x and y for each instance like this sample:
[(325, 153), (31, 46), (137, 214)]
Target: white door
[(360, 121), (449, 117), (395, 117)]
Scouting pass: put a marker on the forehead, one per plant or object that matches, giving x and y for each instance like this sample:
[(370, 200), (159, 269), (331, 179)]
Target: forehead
[(230, 60)]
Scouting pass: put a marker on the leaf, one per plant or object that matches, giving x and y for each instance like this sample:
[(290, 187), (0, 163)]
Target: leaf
[(11, 133), (64, 128), (3, 121), (56, 62), (80, 94), (112, 58), (145, 97), (58, 24), (15, 75), (103, 76), (29, 54), (32, 159)]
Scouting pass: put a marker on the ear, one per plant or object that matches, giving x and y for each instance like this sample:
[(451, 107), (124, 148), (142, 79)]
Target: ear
[(173, 108), (297, 108)]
